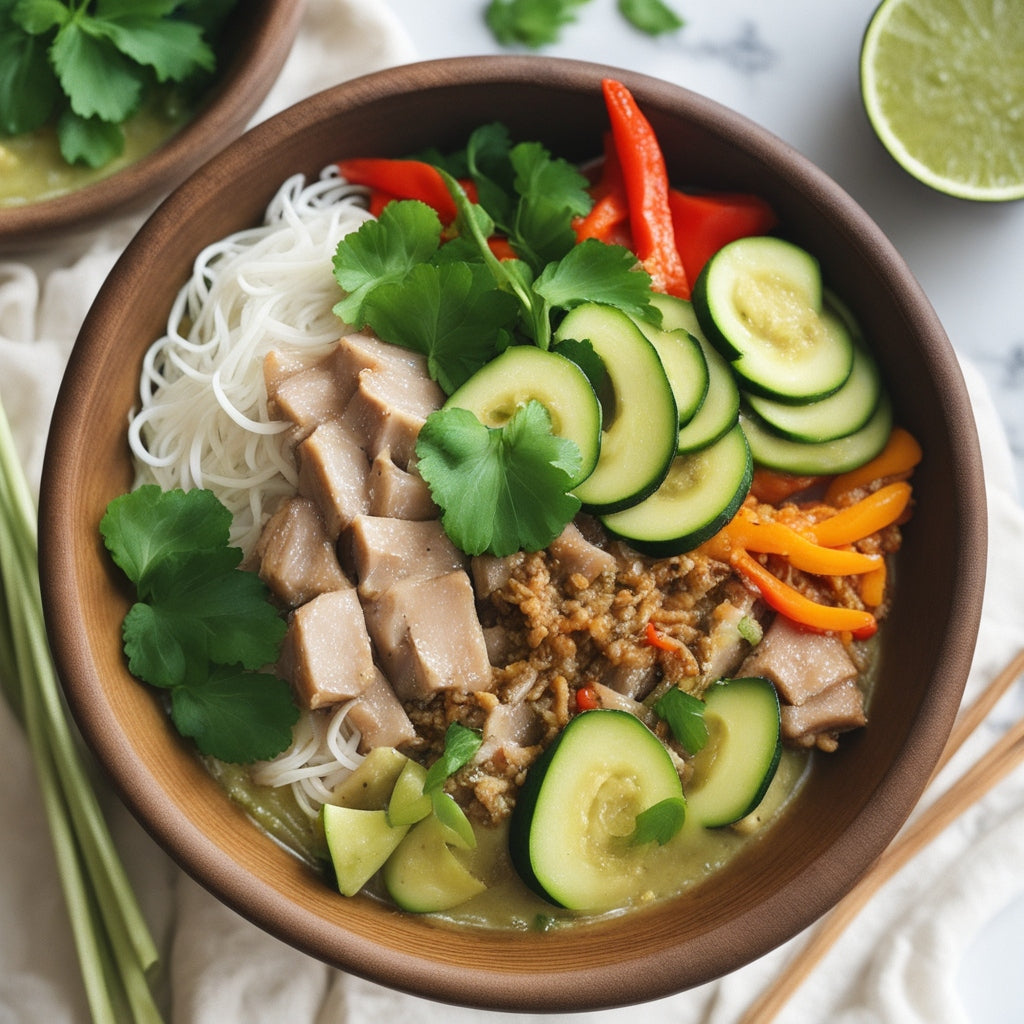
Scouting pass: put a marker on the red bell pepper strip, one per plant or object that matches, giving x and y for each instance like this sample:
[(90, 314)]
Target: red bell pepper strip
[(608, 219), (647, 191), (402, 179), (586, 699), (704, 223)]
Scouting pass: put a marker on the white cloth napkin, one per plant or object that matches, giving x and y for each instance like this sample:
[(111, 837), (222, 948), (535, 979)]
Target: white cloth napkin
[(898, 963)]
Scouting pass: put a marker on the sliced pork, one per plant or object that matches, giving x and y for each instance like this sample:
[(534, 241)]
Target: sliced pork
[(334, 473), (379, 716)]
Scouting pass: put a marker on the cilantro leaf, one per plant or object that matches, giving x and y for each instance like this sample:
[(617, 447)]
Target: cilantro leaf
[(200, 624), (532, 23), (98, 80), (88, 140), (142, 528), (660, 822), (37, 17), (28, 87), (651, 16), (174, 49), (236, 716), (451, 313), (383, 251), (594, 271), (501, 489), (460, 744), (685, 716)]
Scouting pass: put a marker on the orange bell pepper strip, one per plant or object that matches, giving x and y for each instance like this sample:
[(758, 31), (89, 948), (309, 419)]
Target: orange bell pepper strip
[(869, 515), (788, 601), (773, 486), (899, 456), (662, 641), (645, 177), (704, 223), (872, 586), (773, 538), (402, 179)]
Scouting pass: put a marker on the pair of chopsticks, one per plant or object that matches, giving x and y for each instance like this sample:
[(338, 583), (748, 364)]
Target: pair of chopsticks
[(988, 770)]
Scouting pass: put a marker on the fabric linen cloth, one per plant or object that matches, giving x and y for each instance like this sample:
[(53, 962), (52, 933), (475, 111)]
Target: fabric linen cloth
[(897, 963)]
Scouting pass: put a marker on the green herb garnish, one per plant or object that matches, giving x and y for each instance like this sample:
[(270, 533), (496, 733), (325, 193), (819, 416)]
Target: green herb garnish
[(684, 714), (537, 23), (660, 822), (460, 744), (201, 626), (87, 66)]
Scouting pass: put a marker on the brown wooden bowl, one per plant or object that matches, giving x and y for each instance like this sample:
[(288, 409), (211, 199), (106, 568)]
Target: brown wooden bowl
[(256, 43), (853, 804)]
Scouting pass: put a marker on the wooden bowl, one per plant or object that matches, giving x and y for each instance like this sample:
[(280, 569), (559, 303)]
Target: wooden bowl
[(855, 801), (256, 43)]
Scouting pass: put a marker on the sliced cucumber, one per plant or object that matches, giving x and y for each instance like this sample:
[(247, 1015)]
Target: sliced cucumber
[(843, 412), (737, 764), (685, 366), (719, 411), (570, 833), (759, 301), (699, 496), (360, 842), (525, 372), (640, 422), (424, 875), (826, 457)]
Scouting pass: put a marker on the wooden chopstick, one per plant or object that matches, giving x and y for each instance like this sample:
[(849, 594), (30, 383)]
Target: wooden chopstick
[(993, 766)]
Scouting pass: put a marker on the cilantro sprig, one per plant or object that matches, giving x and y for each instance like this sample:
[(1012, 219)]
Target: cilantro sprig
[(441, 290), (201, 628), (537, 23), (87, 66)]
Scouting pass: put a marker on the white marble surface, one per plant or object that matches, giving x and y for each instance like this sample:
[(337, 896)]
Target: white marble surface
[(792, 66)]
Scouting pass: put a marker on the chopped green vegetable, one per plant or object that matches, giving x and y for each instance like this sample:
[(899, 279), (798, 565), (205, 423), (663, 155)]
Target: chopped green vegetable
[(659, 822), (536, 23), (685, 716), (115, 949), (201, 624), (87, 66), (460, 744), (502, 489)]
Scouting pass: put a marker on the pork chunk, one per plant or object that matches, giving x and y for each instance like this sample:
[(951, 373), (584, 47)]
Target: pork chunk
[(428, 637), (385, 551), (388, 409), (326, 652), (397, 493), (380, 717), (575, 555), (297, 558), (816, 722), (800, 663), (334, 473), (358, 352), (307, 396)]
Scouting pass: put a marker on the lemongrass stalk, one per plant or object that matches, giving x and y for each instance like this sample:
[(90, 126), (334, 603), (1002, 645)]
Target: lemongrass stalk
[(115, 948)]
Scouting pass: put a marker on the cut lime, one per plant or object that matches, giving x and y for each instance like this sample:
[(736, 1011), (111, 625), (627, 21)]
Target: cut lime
[(943, 87)]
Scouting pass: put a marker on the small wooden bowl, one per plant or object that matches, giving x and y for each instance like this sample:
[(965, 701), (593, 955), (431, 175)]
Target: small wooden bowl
[(854, 802), (256, 43)]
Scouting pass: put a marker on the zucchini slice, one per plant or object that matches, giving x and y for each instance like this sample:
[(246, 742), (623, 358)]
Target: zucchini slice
[(570, 833), (685, 366), (759, 301), (640, 422), (733, 771), (719, 412), (699, 496), (825, 457), (843, 412), (526, 372)]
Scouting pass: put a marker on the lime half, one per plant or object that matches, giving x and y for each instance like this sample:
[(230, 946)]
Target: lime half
[(943, 87)]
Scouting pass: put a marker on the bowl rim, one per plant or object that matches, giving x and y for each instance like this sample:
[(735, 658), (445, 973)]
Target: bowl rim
[(241, 85), (776, 919)]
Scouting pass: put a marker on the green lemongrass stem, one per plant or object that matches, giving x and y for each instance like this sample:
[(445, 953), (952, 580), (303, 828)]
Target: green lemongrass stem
[(72, 806)]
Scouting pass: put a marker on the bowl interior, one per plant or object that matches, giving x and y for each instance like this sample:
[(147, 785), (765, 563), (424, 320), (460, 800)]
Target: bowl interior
[(255, 45), (853, 804)]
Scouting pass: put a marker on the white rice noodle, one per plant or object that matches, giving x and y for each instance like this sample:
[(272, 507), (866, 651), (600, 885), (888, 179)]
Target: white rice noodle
[(202, 420), (322, 754)]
